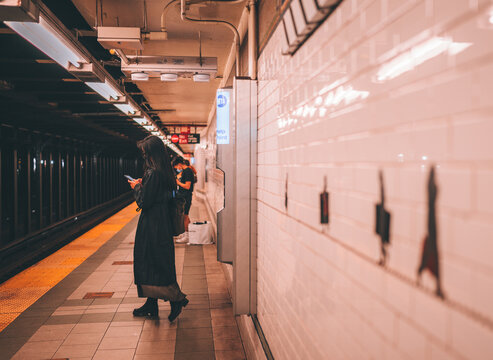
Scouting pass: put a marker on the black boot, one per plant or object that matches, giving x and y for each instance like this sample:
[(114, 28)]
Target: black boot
[(176, 307), (150, 309)]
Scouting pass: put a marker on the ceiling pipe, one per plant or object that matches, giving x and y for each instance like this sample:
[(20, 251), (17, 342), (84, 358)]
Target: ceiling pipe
[(123, 58), (230, 26), (164, 30), (252, 40)]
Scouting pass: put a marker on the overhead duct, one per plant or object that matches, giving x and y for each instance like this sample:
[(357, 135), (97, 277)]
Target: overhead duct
[(155, 66)]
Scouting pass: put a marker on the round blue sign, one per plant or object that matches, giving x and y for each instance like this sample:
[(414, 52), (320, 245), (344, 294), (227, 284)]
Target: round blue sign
[(222, 101)]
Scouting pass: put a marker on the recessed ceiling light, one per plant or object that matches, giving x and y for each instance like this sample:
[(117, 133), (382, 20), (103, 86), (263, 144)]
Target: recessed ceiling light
[(201, 77), (169, 77), (140, 76)]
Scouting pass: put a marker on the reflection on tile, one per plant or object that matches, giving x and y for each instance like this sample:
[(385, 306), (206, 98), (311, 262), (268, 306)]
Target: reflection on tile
[(156, 347), (83, 339), (158, 334), (90, 328), (123, 331), (123, 342), (75, 351), (38, 350), (126, 354), (226, 332), (230, 355), (154, 357), (195, 356), (194, 333), (194, 323), (51, 332), (227, 344)]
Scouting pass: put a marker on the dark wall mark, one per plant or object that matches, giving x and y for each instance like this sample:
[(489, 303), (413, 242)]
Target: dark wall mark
[(324, 204), (382, 222), (429, 257), (286, 193)]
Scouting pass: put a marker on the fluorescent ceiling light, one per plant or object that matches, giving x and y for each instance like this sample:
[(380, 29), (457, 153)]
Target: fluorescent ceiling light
[(141, 120), (149, 127), (105, 89), (155, 133), (139, 76), (201, 77), (126, 108), (169, 77), (49, 40)]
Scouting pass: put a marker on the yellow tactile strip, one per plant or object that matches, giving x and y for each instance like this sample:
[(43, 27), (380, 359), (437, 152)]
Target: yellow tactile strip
[(24, 289)]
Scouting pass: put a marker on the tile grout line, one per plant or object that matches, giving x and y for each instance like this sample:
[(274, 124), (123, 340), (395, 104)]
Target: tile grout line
[(208, 297), (188, 251)]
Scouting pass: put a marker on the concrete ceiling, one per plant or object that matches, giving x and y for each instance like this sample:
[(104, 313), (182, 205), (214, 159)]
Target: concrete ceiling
[(183, 102)]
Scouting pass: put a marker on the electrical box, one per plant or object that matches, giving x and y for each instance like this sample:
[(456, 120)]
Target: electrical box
[(120, 37), (18, 10)]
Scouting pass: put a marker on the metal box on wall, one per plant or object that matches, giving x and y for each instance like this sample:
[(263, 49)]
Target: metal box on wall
[(225, 161)]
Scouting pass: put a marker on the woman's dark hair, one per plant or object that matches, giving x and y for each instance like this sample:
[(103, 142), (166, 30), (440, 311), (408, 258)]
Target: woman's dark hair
[(156, 158), (178, 160)]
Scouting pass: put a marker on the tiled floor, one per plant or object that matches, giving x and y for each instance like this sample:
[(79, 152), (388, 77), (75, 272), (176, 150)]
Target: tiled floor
[(88, 315)]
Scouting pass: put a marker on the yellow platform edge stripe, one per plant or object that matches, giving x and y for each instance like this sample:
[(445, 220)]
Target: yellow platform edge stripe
[(25, 288)]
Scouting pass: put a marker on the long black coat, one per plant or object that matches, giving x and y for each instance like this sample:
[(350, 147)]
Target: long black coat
[(154, 250)]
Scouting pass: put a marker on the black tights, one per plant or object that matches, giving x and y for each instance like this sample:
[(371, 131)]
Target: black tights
[(151, 302)]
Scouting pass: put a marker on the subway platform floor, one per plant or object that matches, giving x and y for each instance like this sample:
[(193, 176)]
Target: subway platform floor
[(84, 310)]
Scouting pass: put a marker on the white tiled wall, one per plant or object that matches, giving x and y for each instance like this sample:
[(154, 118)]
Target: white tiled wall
[(397, 86)]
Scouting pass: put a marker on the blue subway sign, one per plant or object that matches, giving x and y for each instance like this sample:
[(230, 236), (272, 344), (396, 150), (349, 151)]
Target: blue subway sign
[(223, 102)]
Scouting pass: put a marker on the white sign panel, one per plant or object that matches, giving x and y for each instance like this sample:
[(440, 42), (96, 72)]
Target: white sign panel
[(223, 102)]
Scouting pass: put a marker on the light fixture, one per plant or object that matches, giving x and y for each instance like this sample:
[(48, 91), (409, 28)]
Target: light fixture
[(106, 90), (201, 77), (169, 77), (139, 76), (141, 120), (149, 127), (127, 109), (50, 40), (155, 133)]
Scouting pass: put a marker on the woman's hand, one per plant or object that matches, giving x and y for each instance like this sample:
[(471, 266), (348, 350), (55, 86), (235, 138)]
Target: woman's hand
[(134, 182)]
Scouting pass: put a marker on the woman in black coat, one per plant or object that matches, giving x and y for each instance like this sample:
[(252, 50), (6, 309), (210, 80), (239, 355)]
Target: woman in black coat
[(154, 251)]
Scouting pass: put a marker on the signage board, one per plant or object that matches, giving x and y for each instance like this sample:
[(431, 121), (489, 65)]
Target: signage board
[(223, 103), (184, 138)]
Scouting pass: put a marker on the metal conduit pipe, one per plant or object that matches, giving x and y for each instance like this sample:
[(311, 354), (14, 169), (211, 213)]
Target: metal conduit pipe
[(123, 57), (252, 40), (168, 6), (184, 17)]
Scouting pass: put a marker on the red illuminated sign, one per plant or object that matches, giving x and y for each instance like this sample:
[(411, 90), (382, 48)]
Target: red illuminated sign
[(184, 138)]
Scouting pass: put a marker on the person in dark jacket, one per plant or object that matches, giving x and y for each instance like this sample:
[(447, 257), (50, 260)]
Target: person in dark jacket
[(154, 251)]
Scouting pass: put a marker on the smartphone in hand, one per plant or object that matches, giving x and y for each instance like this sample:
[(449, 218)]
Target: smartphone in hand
[(129, 177)]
